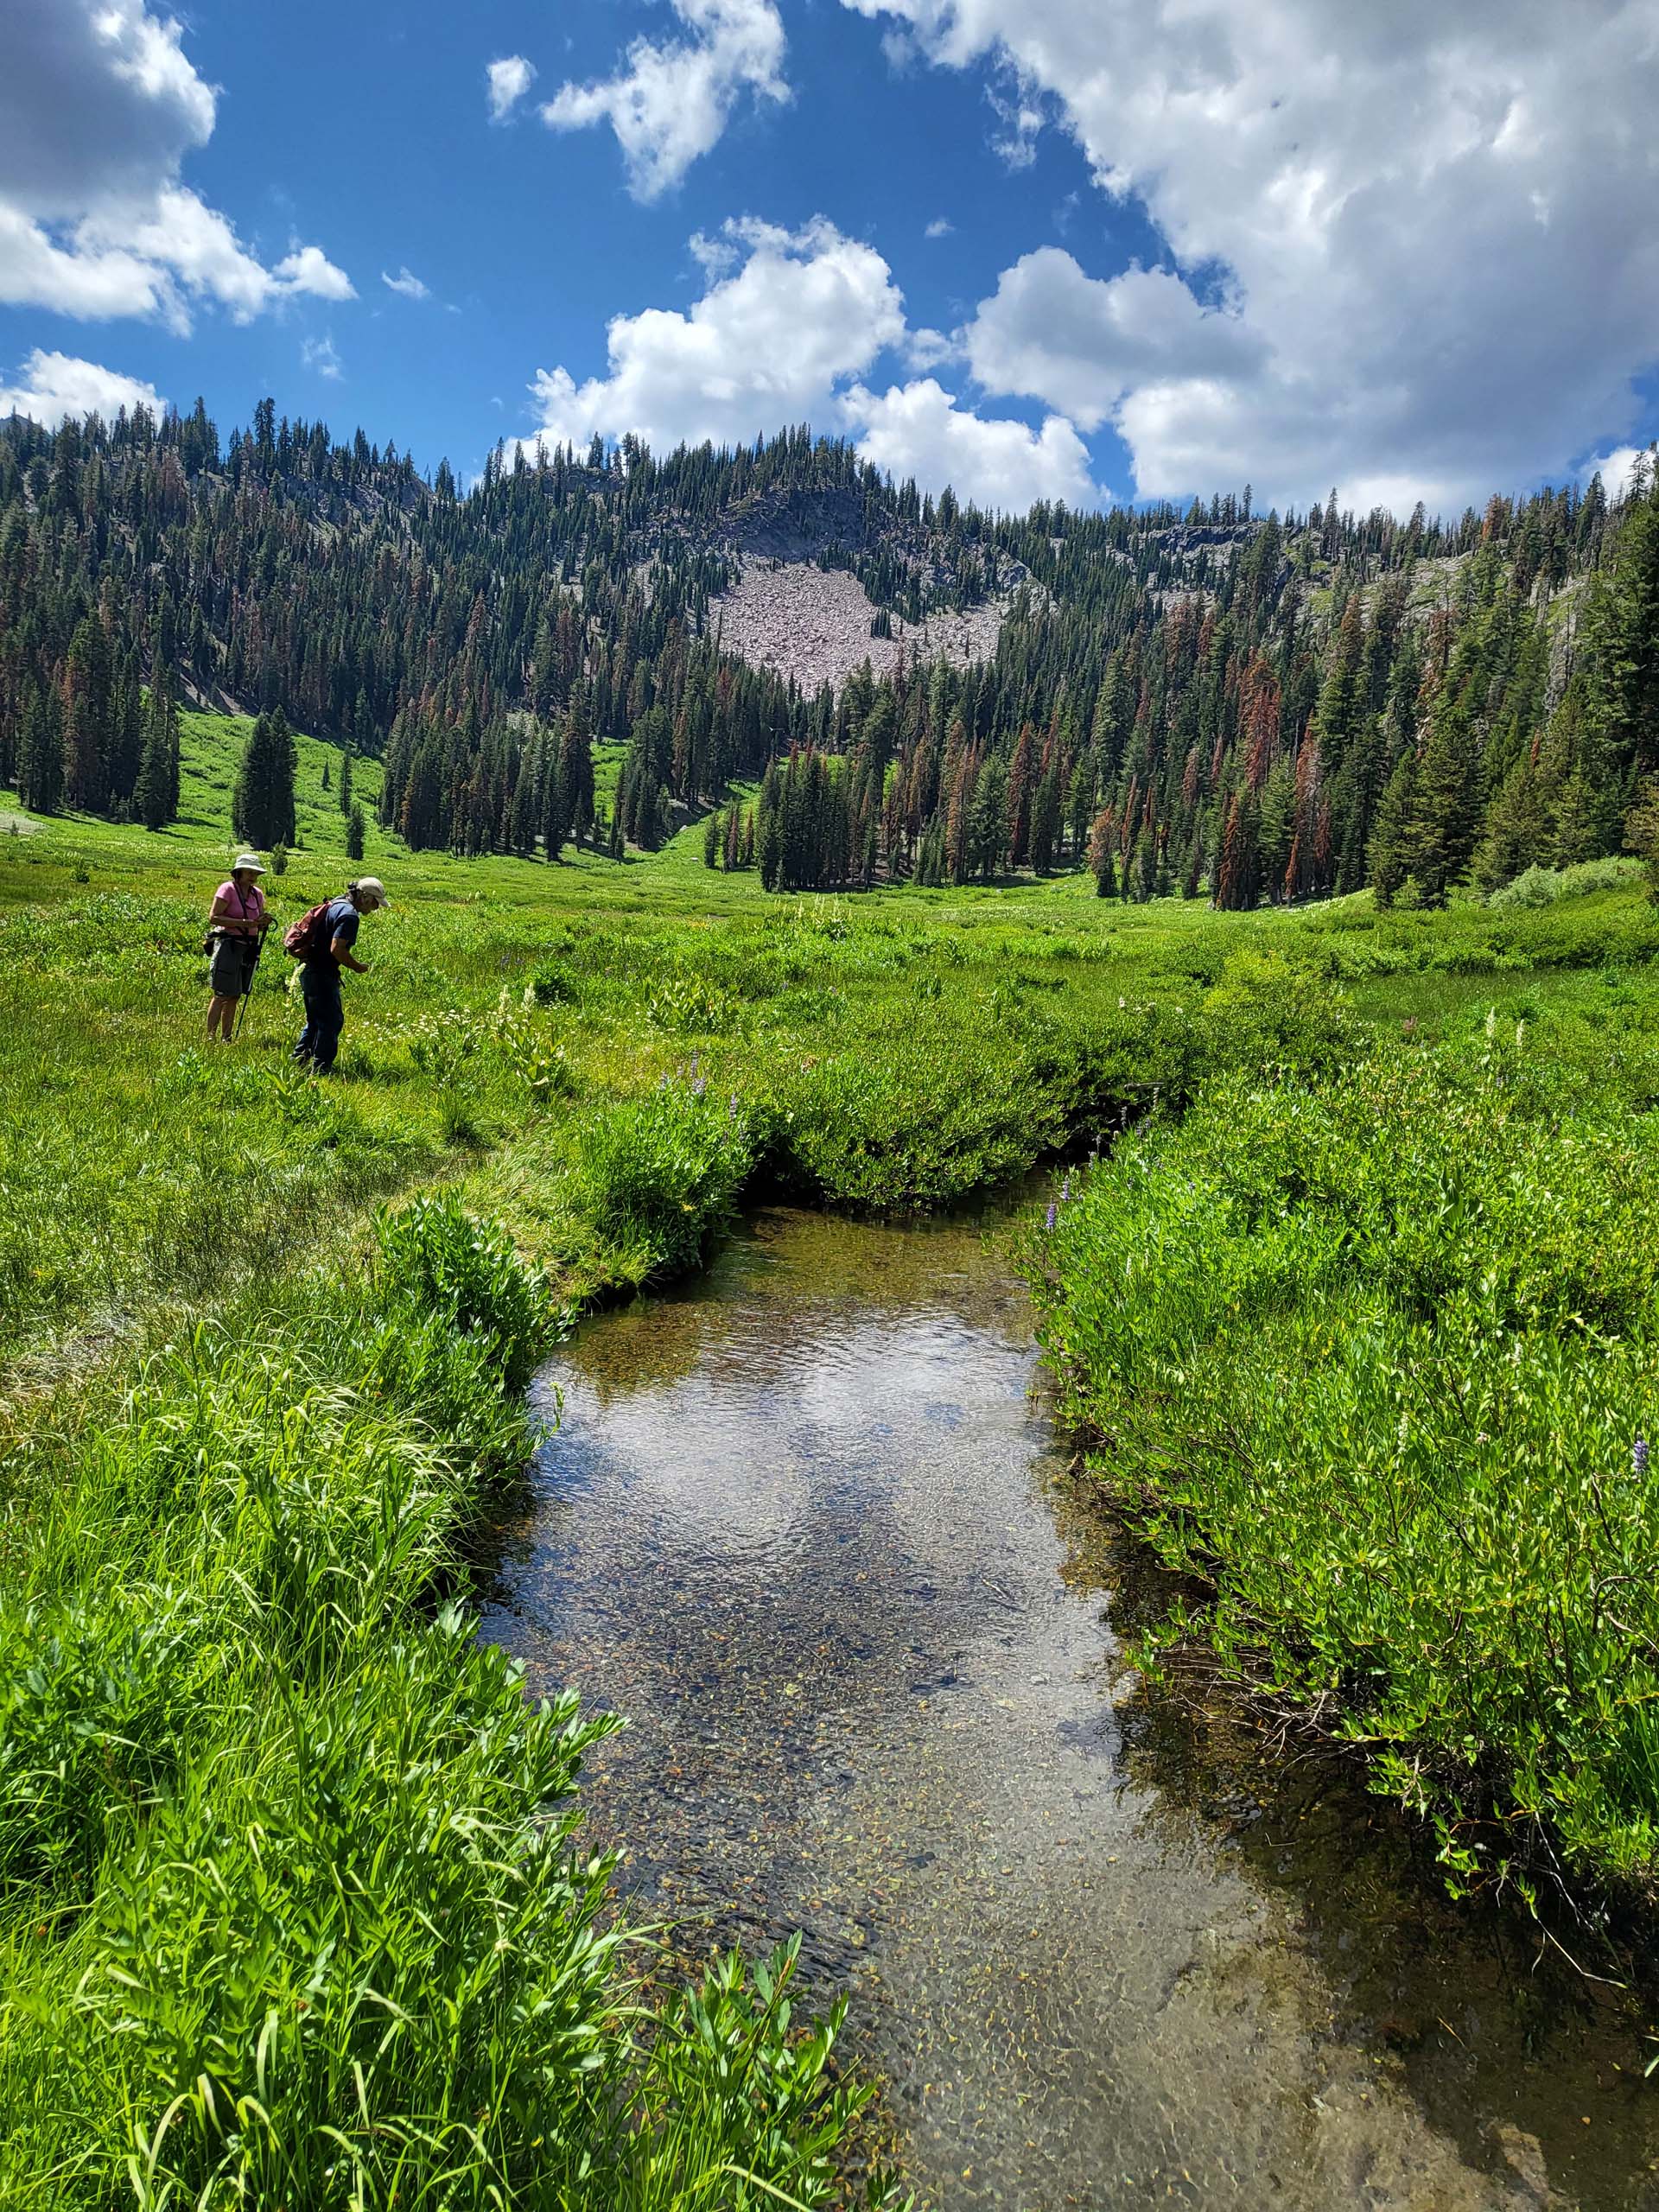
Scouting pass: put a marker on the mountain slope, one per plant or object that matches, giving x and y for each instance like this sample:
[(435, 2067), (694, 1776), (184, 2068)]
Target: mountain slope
[(1263, 706)]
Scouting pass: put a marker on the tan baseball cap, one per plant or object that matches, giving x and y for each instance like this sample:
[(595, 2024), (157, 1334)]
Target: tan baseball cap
[(371, 887)]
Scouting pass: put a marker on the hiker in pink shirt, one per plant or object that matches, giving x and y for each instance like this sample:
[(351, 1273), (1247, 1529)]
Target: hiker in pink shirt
[(235, 927)]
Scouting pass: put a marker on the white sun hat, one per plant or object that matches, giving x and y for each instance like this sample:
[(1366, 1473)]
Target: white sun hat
[(251, 862)]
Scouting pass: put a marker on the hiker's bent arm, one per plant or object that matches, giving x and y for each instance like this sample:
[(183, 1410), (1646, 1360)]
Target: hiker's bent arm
[(346, 958)]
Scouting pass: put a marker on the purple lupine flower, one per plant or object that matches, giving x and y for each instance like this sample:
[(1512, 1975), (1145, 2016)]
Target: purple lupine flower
[(731, 1110), (696, 1056), (1639, 1456), (1065, 1190), (699, 1087), (1053, 1214)]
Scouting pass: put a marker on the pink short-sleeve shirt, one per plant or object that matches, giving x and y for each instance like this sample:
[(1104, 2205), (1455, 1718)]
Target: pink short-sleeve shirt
[(241, 907)]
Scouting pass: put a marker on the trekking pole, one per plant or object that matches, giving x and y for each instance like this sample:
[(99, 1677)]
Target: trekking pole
[(253, 969)]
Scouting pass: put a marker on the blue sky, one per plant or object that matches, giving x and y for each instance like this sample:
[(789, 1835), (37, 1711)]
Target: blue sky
[(1061, 248)]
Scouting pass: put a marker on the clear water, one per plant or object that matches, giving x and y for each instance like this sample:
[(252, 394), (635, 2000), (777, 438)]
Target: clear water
[(806, 1525)]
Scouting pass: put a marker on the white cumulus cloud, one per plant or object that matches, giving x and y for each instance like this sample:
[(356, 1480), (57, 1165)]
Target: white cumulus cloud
[(508, 80), (307, 269), (919, 429), (99, 106), (787, 329), (1416, 217), (768, 344), (52, 385), (1081, 343), (406, 283), (669, 104)]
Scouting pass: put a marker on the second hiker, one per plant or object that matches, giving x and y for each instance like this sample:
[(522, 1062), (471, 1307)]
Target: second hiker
[(323, 942)]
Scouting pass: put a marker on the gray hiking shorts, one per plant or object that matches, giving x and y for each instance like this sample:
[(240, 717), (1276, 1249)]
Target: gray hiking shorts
[(229, 969)]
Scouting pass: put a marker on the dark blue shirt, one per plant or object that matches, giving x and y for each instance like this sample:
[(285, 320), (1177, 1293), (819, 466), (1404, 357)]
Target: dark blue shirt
[(340, 921), (343, 918)]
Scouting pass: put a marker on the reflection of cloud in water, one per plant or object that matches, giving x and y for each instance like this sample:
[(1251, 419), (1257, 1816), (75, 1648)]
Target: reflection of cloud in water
[(780, 1435)]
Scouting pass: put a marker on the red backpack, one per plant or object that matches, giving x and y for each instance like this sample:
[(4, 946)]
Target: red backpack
[(310, 936)]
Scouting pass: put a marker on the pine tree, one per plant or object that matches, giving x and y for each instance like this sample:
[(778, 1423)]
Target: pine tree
[(576, 766), (1642, 833), (1390, 856), (1445, 805), (988, 819), (1144, 867), (555, 811), (1623, 638), (154, 798), (40, 754), (1520, 826), (1022, 776), (346, 800), (355, 830), (1046, 821), (262, 806), (1342, 699), (1275, 827), (126, 738), (1238, 864), (1103, 839), (711, 840), (88, 713)]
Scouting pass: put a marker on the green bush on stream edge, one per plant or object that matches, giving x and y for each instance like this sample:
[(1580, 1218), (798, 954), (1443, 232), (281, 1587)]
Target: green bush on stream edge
[(1375, 1361)]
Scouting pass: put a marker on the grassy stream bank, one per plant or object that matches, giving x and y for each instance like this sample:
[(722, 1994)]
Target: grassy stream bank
[(1374, 1362), (292, 1900)]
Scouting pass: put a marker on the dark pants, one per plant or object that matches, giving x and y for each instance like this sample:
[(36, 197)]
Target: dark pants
[(325, 1016)]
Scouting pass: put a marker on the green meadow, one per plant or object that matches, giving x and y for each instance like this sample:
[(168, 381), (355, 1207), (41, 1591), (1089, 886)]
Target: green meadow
[(1355, 1312)]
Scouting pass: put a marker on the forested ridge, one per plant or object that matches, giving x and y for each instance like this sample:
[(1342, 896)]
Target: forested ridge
[(1254, 708)]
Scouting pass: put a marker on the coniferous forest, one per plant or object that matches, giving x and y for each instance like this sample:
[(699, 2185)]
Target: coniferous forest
[(1251, 708)]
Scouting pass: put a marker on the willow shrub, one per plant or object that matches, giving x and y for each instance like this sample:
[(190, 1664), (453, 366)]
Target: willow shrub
[(293, 1905), (658, 1177), (1375, 1359)]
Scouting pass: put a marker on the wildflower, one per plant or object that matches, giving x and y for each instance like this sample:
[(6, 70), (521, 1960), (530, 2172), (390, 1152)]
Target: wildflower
[(699, 1087), (1053, 1215), (731, 1110), (1065, 1190), (1639, 1456)]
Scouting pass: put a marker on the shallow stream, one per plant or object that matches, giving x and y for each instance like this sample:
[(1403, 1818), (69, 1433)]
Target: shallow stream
[(805, 1523)]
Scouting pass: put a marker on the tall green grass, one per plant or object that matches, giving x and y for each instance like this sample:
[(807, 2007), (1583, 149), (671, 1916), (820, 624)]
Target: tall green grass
[(293, 1907), (1374, 1358)]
